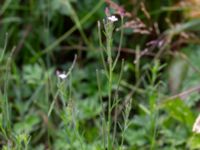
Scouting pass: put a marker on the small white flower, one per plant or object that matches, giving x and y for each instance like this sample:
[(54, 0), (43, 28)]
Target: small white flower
[(196, 126), (113, 18), (61, 75)]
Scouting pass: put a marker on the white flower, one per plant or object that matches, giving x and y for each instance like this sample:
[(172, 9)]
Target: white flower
[(61, 75), (196, 126), (113, 18)]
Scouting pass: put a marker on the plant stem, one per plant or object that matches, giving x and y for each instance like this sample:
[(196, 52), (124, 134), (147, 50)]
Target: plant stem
[(109, 103)]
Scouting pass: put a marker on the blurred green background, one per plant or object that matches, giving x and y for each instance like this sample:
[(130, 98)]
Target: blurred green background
[(160, 81)]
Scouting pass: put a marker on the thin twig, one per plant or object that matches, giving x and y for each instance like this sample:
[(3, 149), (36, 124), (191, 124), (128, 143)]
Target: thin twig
[(184, 93)]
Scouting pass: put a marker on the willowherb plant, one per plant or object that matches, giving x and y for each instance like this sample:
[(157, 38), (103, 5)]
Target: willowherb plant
[(109, 63), (68, 113)]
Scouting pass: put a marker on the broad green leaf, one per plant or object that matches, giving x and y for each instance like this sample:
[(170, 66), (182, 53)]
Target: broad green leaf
[(33, 74), (89, 108), (178, 110), (194, 142)]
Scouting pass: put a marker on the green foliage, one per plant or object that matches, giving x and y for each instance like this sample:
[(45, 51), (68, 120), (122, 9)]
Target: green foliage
[(178, 110), (193, 142), (145, 98)]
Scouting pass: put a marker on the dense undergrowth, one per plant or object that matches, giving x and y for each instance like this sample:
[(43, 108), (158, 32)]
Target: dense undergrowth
[(93, 75)]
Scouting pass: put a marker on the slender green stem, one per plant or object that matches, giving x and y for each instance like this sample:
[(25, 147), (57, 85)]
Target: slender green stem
[(101, 46), (120, 44), (109, 103), (67, 74), (103, 114), (53, 103), (108, 33), (6, 114), (4, 48), (116, 100)]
